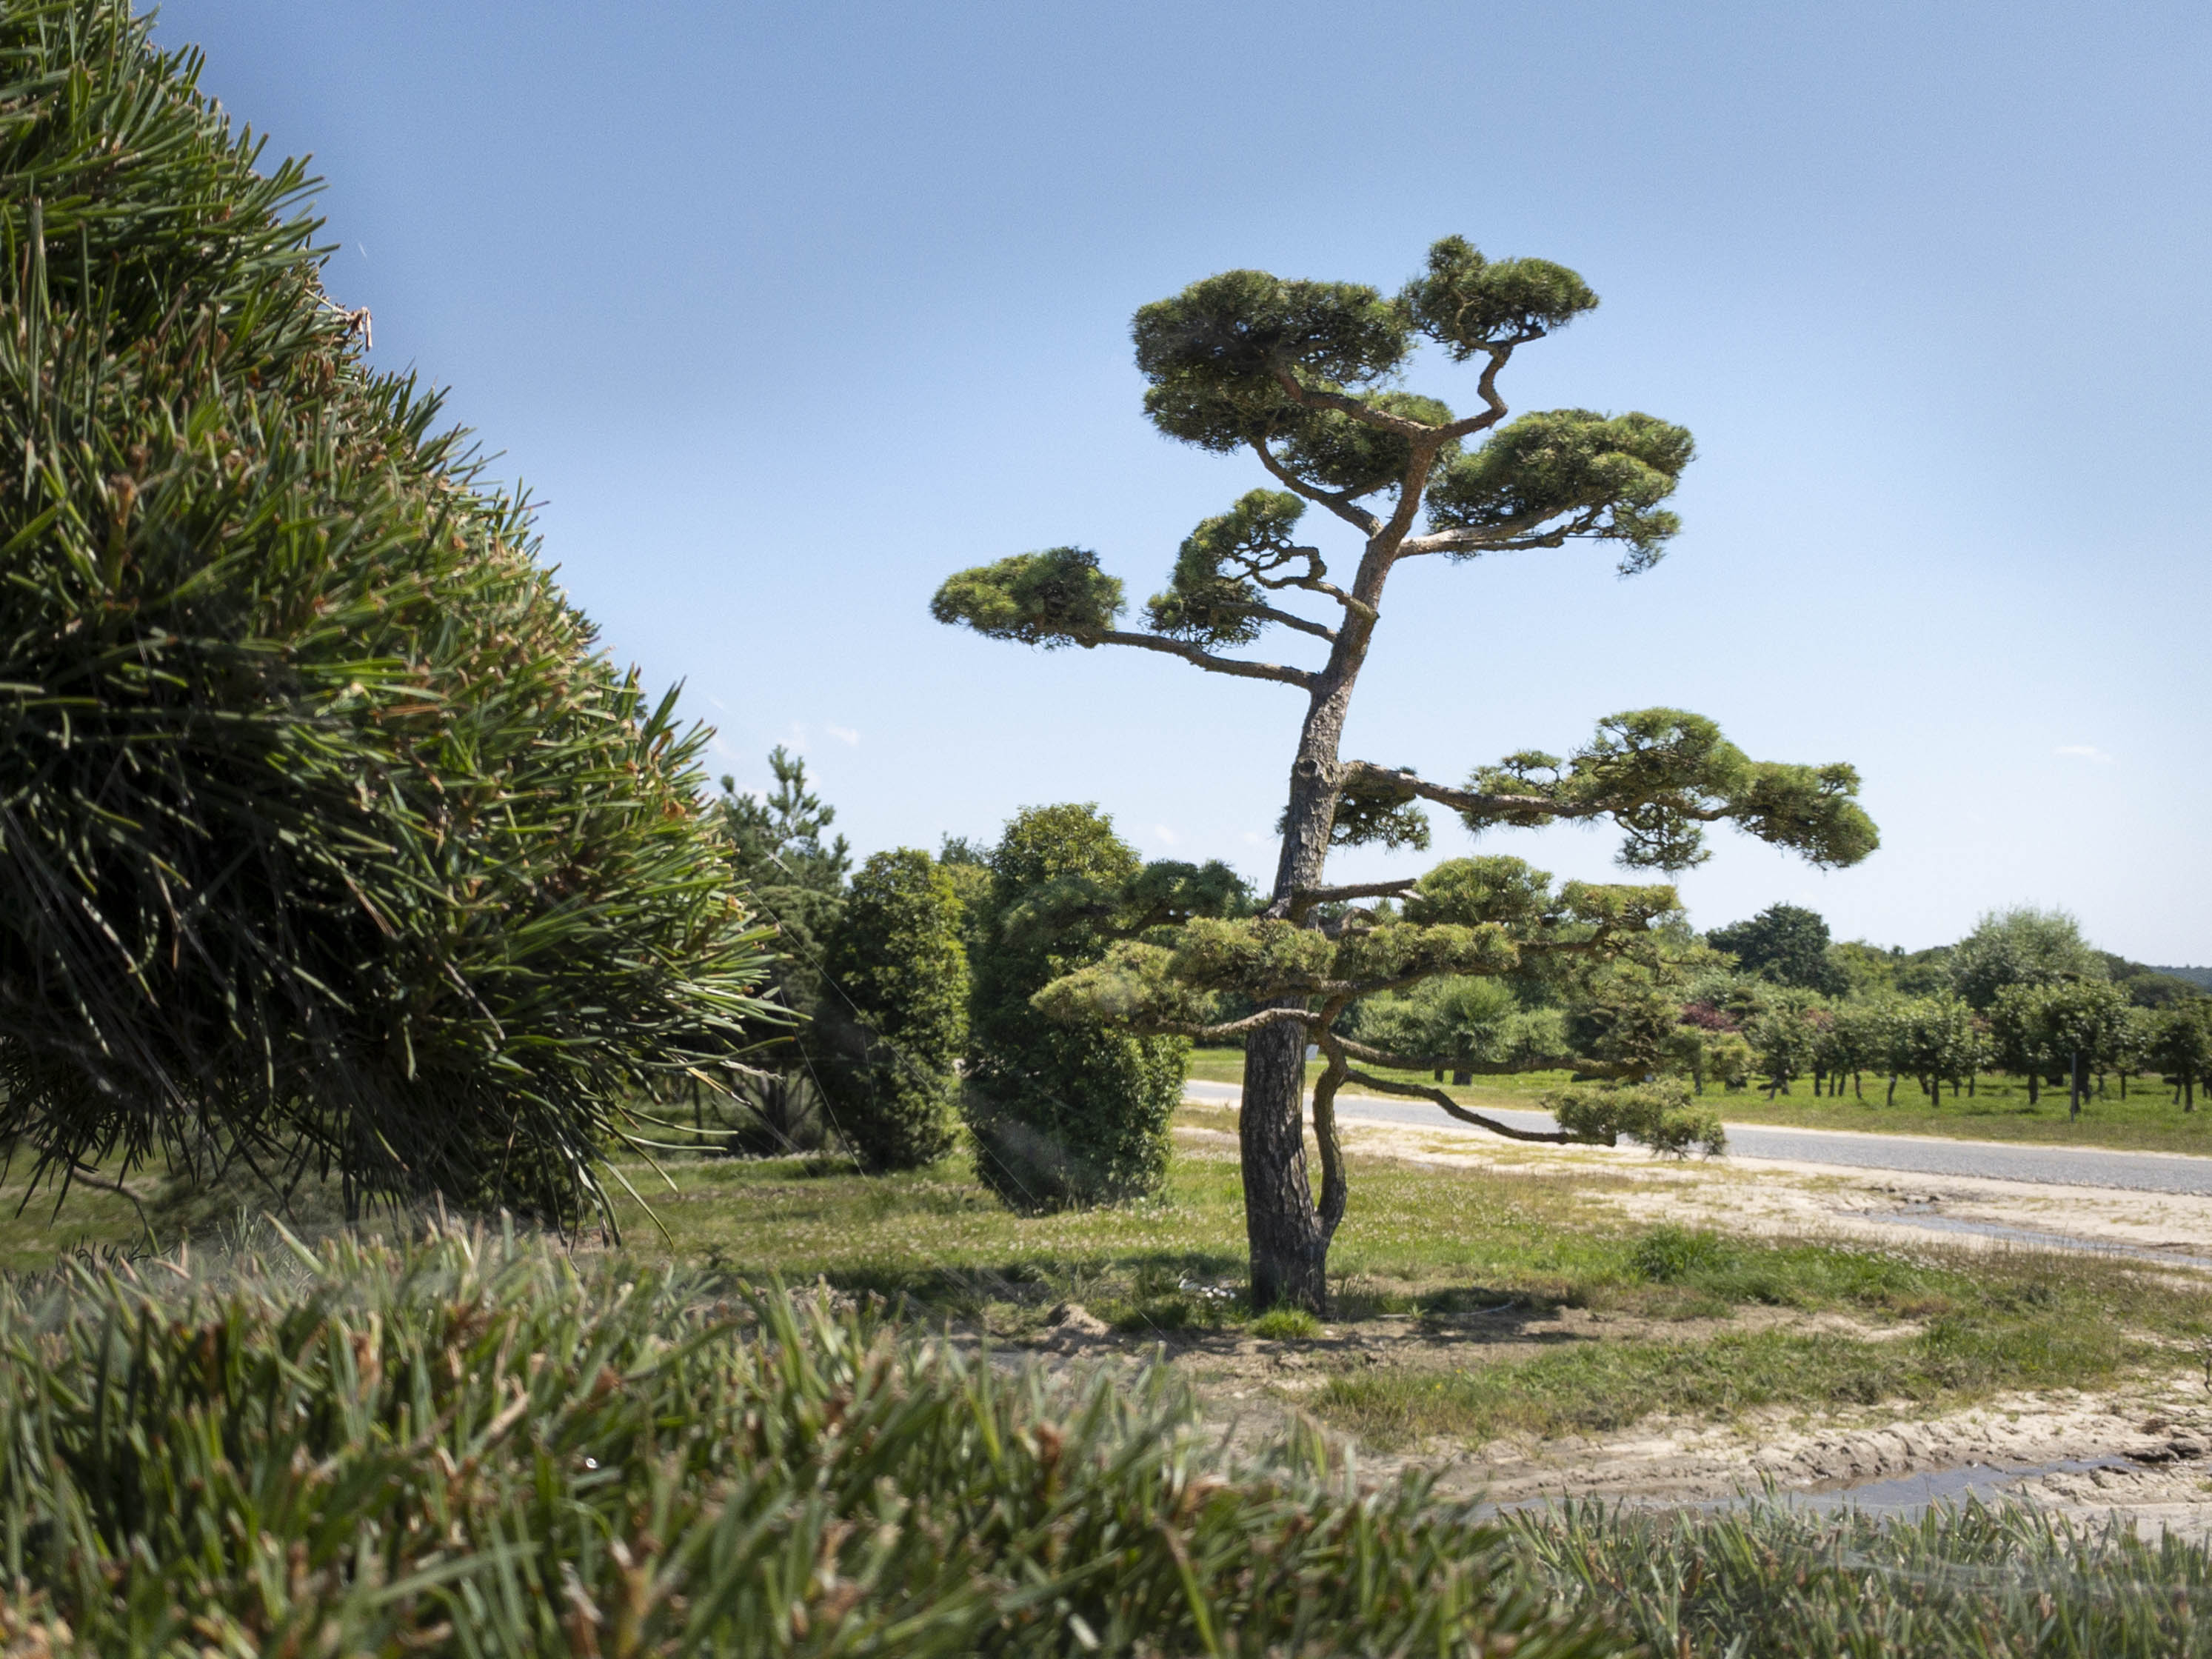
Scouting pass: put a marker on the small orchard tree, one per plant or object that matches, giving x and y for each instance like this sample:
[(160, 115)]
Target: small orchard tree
[(2067, 1028), (1302, 377), (887, 1035), (2180, 1047)]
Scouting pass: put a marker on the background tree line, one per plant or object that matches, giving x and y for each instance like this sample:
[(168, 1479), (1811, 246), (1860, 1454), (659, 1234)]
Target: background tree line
[(1772, 1002)]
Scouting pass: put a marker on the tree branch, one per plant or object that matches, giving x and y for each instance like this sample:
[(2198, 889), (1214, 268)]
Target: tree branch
[(1319, 630), (1232, 1028), (1312, 582), (1205, 659), (1452, 1062), (1494, 406), (1515, 538), (1337, 502), (1345, 404), (1461, 800), (1294, 906), (1421, 1091)]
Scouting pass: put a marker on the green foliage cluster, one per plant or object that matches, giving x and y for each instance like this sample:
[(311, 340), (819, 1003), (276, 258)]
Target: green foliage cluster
[(1658, 1114), (327, 836), (471, 1447), (1069, 1111), (888, 1039)]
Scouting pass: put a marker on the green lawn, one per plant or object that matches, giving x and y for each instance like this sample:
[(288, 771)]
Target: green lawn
[(1463, 1257), (1451, 1250), (2147, 1120)]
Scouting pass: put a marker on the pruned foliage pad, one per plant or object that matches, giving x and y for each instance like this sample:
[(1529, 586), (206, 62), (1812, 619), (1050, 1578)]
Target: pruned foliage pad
[(324, 831), (470, 1446)]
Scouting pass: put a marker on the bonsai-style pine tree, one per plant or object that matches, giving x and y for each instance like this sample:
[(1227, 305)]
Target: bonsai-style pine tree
[(1302, 376), (327, 835)]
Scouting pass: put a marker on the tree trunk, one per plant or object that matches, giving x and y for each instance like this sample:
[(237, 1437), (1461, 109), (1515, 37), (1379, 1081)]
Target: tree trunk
[(1289, 1243), (1286, 1233), (1892, 1100), (2034, 1090)]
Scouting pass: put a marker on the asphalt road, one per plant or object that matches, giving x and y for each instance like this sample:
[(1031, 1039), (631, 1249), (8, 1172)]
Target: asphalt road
[(2068, 1166)]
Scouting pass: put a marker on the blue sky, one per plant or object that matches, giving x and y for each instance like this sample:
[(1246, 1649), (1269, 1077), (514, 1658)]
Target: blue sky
[(789, 311)]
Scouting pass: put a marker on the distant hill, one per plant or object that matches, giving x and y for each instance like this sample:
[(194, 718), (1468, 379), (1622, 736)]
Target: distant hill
[(2195, 975)]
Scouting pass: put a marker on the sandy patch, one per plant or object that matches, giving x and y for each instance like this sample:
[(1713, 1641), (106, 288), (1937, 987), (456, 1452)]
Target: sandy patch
[(1778, 1197)]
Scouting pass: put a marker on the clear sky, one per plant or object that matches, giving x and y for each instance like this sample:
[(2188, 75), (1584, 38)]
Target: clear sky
[(788, 311)]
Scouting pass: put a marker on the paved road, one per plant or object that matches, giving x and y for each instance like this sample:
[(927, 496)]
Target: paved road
[(2069, 1166)]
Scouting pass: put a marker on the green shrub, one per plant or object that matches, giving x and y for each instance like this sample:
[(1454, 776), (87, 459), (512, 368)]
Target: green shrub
[(471, 1447), (888, 1033), (1063, 1113), (327, 832), (1660, 1114)]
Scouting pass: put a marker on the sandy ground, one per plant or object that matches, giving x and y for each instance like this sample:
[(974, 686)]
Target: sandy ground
[(1777, 1196), (2143, 1453)]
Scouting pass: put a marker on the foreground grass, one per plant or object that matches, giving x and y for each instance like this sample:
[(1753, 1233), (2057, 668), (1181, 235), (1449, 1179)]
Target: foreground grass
[(470, 1446), (1770, 1582), (1999, 1109)]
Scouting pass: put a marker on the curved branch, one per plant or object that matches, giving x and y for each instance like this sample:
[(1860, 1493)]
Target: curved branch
[(1390, 780), (1452, 1062), (1419, 1091), (1366, 414), (1470, 800), (1334, 1189), (1337, 502), (1205, 659), (1493, 406), (1517, 537)]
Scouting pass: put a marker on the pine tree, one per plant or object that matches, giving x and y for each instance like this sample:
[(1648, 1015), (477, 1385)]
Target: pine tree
[(1302, 376), (326, 833)]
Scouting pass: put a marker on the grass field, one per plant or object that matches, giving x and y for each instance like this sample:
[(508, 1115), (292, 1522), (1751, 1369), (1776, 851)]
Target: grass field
[(1693, 1323), (2147, 1120), (1545, 1314)]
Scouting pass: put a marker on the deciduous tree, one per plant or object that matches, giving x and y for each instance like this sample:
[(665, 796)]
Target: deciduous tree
[(1303, 377), (1785, 943)]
